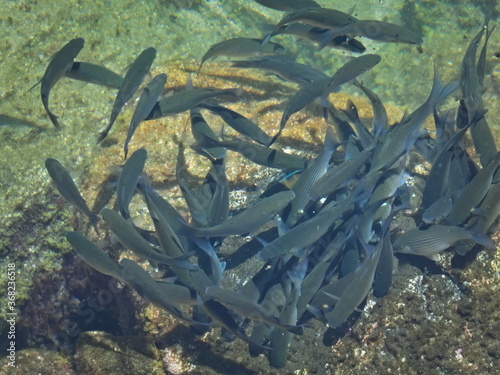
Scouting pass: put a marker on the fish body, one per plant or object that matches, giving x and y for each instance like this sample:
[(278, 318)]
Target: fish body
[(377, 30), (286, 5), (132, 240), (284, 68), (127, 182), (431, 241), (259, 154), (95, 74), (67, 188), (147, 101), (58, 65), (147, 288), (188, 99), (241, 47), (250, 219), (131, 82), (93, 255)]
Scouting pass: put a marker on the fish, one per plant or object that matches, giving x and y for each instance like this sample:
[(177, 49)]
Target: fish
[(199, 126), (250, 219), (473, 192), (358, 288), (147, 288), (318, 35), (281, 339), (94, 256), (147, 101), (241, 47), (286, 5), (284, 67), (131, 239), (60, 62), (257, 153), (307, 232), (127, 182), (433, 240), (323, 87), (239, 123), (95, 74), (325, 18), (379, 31), (380, 122), (217, 311), (188, 99), (67, 188), (309, 176), (246, 307), (131, 82)]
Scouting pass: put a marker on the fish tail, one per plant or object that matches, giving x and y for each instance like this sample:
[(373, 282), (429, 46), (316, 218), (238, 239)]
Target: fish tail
[(439, 90)]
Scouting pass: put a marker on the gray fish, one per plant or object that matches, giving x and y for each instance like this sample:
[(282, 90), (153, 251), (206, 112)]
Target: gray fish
[(470, 84), (60, 62), (474, 192), (320, 36), (309, 176), (241, 47), (218, 209), (431, 241), (95, 74), (402, 137), (357, 290), (259, 154), (280, 340), (93, 255), (147, 101), (67, 188), (131, 82), (307, 232), (127, 182), (132, 240), (246, 307), (320, 17), (339, 175), (380, 123), (217, 311), (323, 87), (147, 288), (250, 219), (239, 123), (283, 67), (197, 211), (188, 99), (376, 30), (199, 126), (286, 5)]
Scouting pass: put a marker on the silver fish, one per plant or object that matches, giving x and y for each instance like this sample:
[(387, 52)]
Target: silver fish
[(127, 182), (95, 74), (94, 256), (67, 188), (132, 240), (147, 101), (131, 82), (431, 241), (148, 289), (58, 65), (250, 219), (241, 47)]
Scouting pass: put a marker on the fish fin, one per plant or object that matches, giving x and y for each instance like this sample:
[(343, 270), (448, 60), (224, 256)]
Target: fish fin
[(35, 85)]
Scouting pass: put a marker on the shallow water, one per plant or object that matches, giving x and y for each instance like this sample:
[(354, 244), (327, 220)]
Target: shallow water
[(34, 219)]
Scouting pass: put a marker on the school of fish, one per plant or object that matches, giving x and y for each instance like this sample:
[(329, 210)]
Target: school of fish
[(330, 240)]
